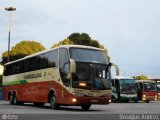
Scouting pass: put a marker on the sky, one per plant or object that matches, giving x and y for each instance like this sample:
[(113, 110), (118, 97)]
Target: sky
[(129, 29)]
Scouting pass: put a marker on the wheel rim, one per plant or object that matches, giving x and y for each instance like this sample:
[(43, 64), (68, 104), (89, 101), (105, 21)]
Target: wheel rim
[(11, 99), (53, 100), (14, 100)]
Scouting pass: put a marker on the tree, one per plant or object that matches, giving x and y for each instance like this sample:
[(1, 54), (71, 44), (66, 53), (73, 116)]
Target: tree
[(140, 77), (66, 41), (79, 39), (21, 50)]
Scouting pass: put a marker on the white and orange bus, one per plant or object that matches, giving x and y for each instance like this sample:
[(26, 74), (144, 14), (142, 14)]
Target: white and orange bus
[(66, 75)]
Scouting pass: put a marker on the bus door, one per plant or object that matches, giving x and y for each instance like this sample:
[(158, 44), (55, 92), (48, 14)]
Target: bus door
[(139, 90), (117, 85)]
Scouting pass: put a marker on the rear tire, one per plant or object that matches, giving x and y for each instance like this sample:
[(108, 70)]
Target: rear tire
[(53, 101), (14, 99), (85, 107), (11, 99)]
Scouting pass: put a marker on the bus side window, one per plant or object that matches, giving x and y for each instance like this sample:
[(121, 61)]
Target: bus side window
[(53, 58), (14, 68), (6, 70), (26, 65), (43, 61), (33, 63), (63, 60)]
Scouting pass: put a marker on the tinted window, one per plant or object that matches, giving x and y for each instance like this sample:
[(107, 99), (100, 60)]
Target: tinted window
[(26, 65), (88, 55), (63, 57), (53, 58), (33, 64), (43, 61)]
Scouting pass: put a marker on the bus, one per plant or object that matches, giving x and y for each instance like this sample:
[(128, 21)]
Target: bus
[(147, 90), (1, 95), (67, 75), (124, 89), (158, 88), (157, 80)]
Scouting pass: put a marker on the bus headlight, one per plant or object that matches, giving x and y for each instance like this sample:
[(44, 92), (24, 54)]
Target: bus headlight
[(144, 97), (74, 100), (156, 97), (82, 84), (110, 100)]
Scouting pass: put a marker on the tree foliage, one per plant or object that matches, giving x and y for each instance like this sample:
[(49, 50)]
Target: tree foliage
[(141, 77), (79, 39), (21, 50)]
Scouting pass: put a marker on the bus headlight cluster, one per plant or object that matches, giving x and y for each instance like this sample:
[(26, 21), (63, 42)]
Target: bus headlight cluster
[(74, 100), (144, 97), (77, 94), (156, 97)]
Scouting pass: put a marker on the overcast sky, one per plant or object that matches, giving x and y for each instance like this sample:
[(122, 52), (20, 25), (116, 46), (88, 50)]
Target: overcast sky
[(129, 29)]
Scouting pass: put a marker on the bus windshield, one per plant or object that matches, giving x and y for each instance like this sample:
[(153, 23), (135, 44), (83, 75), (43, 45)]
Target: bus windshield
[(94, 76), (149, 87), (88, 55), (91, 69), (128, 86)]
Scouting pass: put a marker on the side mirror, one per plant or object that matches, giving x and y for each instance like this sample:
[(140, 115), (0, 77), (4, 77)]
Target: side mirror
[(72, 66), (116, 68)]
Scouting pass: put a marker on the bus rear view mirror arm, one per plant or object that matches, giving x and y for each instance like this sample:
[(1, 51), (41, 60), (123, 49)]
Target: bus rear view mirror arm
[(116, 68)]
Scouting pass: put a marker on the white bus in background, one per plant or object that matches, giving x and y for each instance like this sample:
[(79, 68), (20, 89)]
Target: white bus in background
[(124, 89)]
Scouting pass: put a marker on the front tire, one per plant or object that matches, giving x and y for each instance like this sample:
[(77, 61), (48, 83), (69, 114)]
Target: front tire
[(53, 103), (85, 107), (136, 101)]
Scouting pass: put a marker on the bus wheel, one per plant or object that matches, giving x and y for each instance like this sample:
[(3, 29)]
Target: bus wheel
[(85, 107), (114, 99), (53, 103), (136, 101), (14, 99), (11, 99)]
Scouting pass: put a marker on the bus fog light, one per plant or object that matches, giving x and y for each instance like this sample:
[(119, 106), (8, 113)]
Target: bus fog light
[(74, 100)]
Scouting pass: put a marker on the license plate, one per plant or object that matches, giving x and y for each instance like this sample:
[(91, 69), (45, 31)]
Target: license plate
[(94, 101)]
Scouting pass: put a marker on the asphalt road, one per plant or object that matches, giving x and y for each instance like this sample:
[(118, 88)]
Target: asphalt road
[(113, 111)]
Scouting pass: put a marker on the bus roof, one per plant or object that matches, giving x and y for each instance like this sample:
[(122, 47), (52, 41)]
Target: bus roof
[(62, 46), (121, 77)]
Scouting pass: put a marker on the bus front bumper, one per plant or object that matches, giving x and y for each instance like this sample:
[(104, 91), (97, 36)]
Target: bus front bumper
[(77, 100), (125, 97)]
